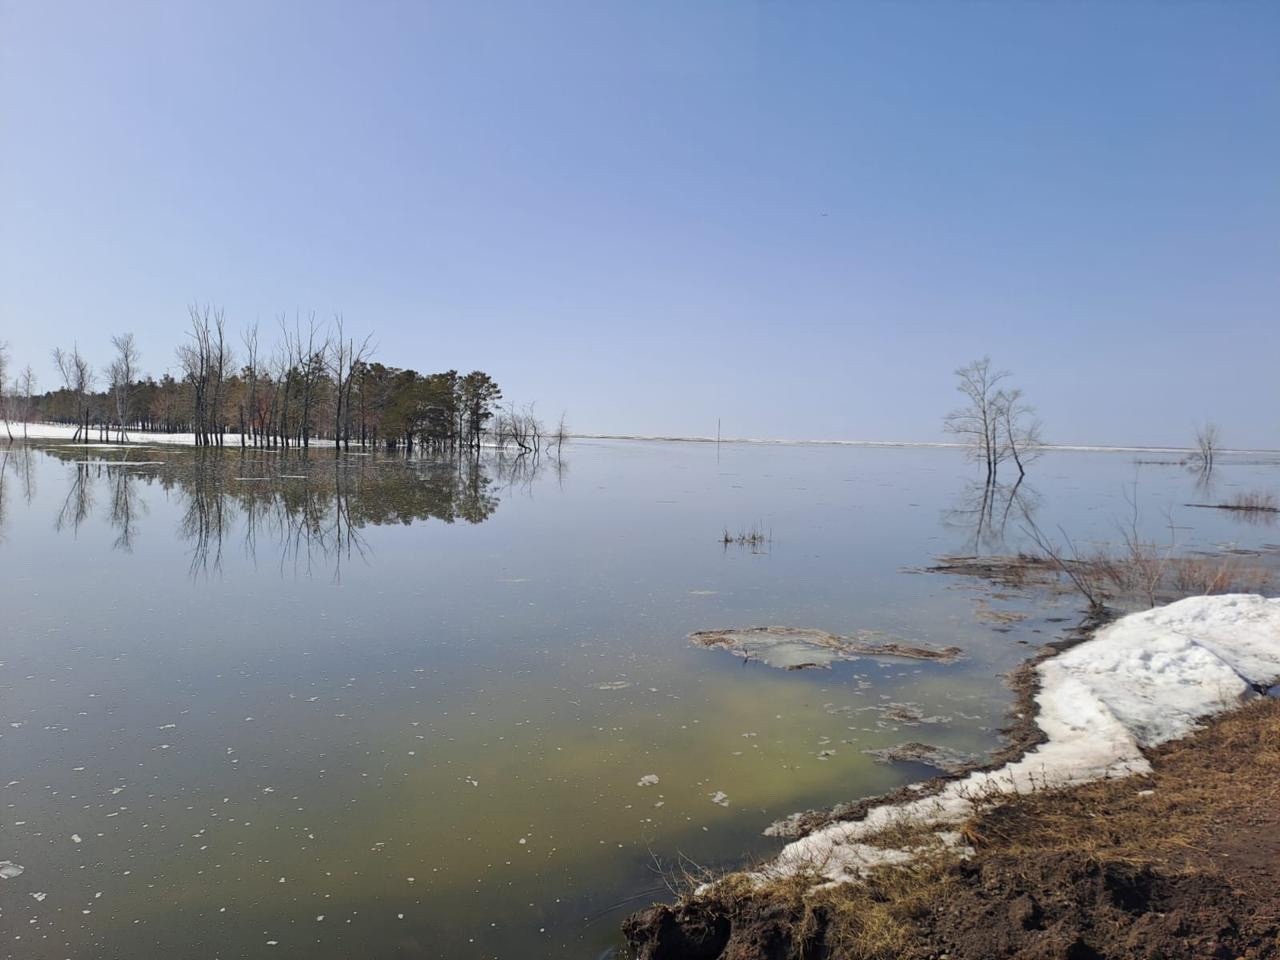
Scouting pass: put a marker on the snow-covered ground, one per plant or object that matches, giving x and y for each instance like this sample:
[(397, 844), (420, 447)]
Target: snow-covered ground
[(61, 431), (1141, 681)]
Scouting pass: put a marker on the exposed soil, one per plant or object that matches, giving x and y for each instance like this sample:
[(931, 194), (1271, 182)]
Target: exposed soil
[(1181, 864)]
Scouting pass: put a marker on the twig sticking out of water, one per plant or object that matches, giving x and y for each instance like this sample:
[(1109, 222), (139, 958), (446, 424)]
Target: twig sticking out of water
[(754, 536)]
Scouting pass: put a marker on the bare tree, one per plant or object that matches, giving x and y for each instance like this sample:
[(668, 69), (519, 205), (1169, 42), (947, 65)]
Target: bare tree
[(5, 399), (249, 426), (345, 360), (306, 365), (1020, 429), (205, 362), (978, 423), (122, 373), (23, 390), (561, 433), (1207, 443), (77, 379)]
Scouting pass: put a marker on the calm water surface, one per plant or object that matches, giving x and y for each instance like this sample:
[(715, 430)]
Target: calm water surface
[(263, 706)]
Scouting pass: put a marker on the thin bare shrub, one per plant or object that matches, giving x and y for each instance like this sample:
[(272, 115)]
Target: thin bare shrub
[(754, 537), (1254, 500)]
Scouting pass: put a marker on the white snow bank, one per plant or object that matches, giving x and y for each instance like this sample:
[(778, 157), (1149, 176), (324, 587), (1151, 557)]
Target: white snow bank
[(62, 431), (1141, 681)]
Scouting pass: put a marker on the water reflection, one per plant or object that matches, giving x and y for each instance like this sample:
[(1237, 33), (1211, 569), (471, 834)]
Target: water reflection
[(990, 512), (310, 513)]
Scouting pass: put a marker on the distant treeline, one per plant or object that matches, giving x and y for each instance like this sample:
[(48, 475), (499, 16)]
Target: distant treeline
[(312, 383)]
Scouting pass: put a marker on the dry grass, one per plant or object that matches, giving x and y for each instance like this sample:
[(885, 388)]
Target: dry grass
[(1197, 785), (1199, 791), (1136, 572), (1254, 500), (871, 919)]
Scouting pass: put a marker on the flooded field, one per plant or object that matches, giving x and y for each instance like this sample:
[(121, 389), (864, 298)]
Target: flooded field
[(255, 705)]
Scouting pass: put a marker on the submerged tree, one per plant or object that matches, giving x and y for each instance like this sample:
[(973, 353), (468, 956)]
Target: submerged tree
[(314, 382), (77, 379), (1020, 429), (122, 372), (205, 362), (1206, 447), (4, 382), (996, 424)]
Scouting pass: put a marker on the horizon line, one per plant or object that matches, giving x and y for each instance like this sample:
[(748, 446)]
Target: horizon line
[(941, 444)]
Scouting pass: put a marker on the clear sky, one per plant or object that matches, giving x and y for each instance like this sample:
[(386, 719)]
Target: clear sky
[(799, 217)]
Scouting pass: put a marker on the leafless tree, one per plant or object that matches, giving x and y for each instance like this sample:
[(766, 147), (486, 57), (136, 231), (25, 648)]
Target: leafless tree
[(23, 394), (122, 373), (1019, 428), (345, 360), (249, 412), (1207, 444), (77, 379), (5, 399), (561, 434), (518, 426), (205, 362), (306, 354), (978, 422)]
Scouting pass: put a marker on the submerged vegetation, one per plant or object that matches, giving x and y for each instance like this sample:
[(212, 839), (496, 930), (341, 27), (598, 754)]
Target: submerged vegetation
[(754, 536), (1251, 502)]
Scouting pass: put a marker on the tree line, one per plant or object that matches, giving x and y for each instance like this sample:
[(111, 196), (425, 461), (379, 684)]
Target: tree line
[(313, 382)]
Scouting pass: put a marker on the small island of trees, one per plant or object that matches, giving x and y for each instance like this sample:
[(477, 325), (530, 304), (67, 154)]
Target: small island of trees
[(313, 383)]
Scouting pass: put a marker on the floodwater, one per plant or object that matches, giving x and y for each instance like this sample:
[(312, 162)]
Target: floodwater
[(264, 706)]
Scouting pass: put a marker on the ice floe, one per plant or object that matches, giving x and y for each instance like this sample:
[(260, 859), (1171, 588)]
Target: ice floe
[(798, 648)]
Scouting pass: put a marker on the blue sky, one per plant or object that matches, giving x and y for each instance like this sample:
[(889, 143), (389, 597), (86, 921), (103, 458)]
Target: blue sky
[(799, 217)]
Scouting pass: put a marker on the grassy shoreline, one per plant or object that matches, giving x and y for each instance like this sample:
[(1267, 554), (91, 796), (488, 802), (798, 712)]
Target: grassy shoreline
[(1076, 872)]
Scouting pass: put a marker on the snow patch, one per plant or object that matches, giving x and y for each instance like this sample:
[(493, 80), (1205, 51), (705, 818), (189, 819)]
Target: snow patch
[(1146, 679)]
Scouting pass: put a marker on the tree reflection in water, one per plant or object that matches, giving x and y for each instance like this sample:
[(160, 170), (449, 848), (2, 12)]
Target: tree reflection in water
[(311, 510), (989, 512)]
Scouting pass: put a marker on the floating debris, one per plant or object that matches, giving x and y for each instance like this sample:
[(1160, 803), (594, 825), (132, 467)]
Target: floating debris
[(943, 758), (648, 780), (989, 614), (613, 685), (800, 648), (720, 797), (909, 713), (9, 869)]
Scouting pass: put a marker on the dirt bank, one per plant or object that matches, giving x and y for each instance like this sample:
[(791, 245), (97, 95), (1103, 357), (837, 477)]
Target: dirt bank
[(1181, 863)]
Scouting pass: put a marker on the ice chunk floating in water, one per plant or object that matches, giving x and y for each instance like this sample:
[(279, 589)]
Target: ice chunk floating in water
[(799, 648)]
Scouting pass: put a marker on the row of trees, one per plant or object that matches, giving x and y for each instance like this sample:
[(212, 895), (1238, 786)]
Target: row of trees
[(313, 382)]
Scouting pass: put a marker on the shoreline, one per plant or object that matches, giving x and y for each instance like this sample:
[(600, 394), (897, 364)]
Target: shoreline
[(842, 853), (58, 431)]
